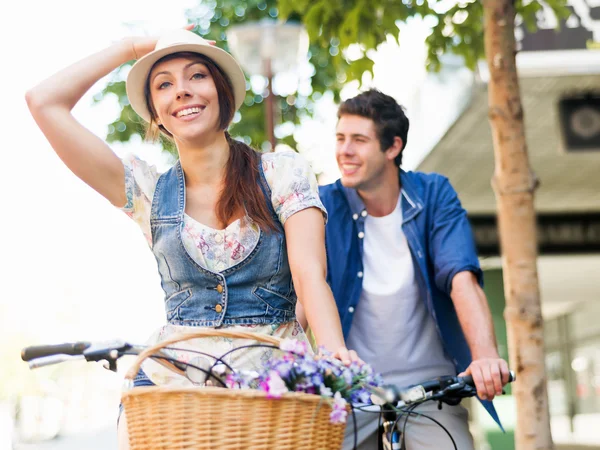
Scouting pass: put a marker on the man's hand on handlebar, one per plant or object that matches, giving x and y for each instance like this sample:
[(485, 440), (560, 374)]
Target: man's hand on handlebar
[(490, 376)]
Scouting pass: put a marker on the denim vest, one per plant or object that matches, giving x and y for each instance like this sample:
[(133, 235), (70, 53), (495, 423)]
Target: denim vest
[(257, 290)]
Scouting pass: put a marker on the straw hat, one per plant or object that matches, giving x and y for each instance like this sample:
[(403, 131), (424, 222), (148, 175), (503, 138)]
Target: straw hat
[(176, 42)]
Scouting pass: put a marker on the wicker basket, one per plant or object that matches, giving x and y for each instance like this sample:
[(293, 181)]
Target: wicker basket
[(170, 418)]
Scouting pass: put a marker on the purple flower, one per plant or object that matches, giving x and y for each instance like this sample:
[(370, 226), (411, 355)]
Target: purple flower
[(316, 379), (283, 368), (295, 370), (304, 386), (347, 376), (361, 396), (308, 367), (240, 380)]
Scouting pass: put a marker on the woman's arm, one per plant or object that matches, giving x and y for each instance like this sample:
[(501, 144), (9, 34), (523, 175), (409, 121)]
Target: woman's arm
[(305, 235), (51, 102), (301, 316)]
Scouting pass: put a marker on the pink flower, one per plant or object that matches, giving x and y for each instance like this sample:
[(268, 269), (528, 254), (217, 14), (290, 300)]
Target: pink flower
[(275, 386), (231, 382), (339, 412)]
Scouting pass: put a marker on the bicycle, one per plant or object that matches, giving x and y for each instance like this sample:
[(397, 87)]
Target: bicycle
[(208, 417), (390, 402), (395, 403)]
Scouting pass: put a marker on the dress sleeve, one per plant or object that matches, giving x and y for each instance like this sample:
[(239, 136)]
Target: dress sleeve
[(292, 182), (140, 183)]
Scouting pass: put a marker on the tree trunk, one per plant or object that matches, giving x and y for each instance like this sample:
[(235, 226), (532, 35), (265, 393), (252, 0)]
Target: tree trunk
[(514, 185)]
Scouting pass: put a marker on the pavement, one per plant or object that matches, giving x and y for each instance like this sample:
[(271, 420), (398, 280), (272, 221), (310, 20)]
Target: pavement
[(577, 447), (104, 439)]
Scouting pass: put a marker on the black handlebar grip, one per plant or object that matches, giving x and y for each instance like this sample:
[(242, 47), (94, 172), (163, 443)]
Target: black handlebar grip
[(37, 351), (468, 379)]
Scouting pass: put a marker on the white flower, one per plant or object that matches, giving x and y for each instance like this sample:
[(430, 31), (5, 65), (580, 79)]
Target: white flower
[(276, 385), (294, 346), (325, 391)]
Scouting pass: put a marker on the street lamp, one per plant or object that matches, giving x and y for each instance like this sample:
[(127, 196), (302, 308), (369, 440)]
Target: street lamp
[(266, 48)]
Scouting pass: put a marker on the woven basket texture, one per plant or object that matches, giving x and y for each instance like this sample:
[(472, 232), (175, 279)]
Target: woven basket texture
[(214, 418)]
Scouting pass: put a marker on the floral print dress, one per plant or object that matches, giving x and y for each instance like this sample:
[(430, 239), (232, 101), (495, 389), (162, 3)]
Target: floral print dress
[(293, 188)]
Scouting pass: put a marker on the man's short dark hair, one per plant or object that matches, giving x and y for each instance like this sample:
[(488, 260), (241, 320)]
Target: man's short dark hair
[(388, 116)]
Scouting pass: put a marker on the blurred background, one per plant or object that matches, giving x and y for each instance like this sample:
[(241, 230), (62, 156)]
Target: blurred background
[(78, 269)]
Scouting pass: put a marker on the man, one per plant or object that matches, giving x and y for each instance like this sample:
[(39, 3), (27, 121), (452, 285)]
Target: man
[(404, 271)]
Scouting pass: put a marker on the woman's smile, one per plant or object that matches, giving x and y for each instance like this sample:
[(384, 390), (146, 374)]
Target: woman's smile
[(189, 112)]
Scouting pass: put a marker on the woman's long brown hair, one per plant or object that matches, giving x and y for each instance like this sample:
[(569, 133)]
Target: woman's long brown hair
[(242, 184)]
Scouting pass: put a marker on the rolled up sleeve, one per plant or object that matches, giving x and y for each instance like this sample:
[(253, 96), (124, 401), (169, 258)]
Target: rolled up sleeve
[(452, 246), (293, 184)]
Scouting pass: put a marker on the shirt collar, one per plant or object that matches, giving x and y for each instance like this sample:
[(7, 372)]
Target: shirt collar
[(411, 202), (356, 204)]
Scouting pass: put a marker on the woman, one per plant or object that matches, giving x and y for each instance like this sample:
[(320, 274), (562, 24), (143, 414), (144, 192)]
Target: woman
[(238, 237)]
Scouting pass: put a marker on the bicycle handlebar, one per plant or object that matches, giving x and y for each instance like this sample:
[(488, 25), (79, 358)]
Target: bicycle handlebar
[(468, 379), (108, 352), (45, 355), (38, 351), (442, 386), (43, 361), (446, 388)]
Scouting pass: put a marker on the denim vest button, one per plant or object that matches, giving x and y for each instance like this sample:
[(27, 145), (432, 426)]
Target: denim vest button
[(355, 216), (218, 308), (359, 274), (219, 288), (351, 309), (361, 235), (364, 213)]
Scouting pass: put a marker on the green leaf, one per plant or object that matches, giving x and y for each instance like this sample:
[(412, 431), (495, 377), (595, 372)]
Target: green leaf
[(359, 67), (332, 27), (348, 30), (528, 14), (312, 24)]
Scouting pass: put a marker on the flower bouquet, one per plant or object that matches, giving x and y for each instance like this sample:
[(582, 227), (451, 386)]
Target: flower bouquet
[(298, 370), (213, 417)]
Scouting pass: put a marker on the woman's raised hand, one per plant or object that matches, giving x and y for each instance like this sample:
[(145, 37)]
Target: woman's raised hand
[(142, 45)]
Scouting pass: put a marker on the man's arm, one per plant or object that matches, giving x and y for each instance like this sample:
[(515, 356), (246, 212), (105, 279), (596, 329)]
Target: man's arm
[(456, 267), (489, 371)]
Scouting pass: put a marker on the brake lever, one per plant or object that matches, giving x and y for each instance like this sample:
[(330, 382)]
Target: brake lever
[(107, 352), (454, 393)]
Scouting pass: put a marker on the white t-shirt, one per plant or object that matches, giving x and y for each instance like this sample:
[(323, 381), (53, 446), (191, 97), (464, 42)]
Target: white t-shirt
[(392, 328)]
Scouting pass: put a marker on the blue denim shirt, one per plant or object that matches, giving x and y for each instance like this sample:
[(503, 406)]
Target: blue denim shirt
[(441, 244), (257, 290)]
